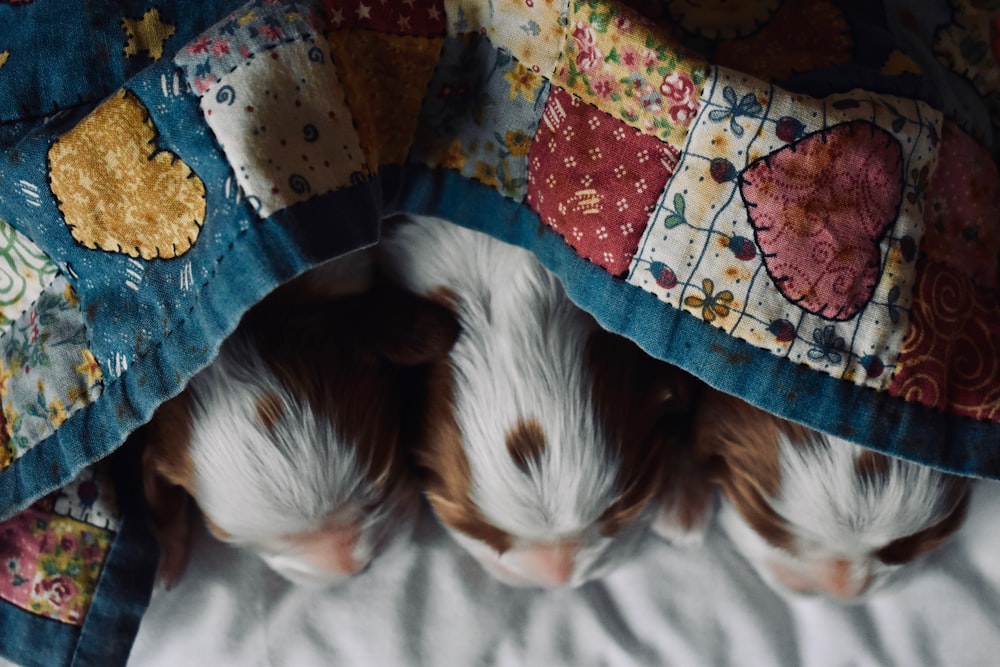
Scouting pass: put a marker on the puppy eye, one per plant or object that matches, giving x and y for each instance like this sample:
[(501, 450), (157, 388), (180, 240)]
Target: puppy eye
[(906, 549)]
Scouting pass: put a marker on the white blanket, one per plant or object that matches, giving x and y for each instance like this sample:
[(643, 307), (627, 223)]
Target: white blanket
[(428, 604)]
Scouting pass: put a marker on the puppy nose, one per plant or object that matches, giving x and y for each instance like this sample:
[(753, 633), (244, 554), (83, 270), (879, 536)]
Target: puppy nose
[(843, 579), (334, 549), (553, 563)]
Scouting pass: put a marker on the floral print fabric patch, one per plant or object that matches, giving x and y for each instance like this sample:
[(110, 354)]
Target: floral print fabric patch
[(531, 30), (47, 372), (51, 555), (623, 65), (480, 112)]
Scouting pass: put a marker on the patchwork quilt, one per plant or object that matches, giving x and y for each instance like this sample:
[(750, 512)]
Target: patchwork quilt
[(795, 200)]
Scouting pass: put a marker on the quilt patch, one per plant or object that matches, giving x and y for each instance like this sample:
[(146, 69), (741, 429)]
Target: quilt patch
[(631, 69), (595, 180), (970, 46), (531, 30), (385, 115), (961, 209), (401, 17), (254, 29), (285, 126), (51, 559), (25, 271), (480, 112), (47, 371), (792, 223)]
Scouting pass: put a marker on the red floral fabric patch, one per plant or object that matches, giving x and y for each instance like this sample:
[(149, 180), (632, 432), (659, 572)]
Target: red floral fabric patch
[(51, 563), (595, 180), (403, 17)]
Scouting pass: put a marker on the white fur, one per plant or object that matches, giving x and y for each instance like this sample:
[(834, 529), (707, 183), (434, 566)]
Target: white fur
[(520, 355), (833, 514), (264, 487)]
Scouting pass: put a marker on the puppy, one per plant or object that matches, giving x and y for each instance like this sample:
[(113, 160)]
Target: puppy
[(816, 514), (290, 441), (545, 436)]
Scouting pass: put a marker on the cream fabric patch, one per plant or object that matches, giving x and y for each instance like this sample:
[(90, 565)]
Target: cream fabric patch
[(282, 119), (792, 223)]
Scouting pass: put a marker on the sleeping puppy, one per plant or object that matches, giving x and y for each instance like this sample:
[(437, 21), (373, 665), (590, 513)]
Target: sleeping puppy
[(289, 442), (817, 514), (545, 437)]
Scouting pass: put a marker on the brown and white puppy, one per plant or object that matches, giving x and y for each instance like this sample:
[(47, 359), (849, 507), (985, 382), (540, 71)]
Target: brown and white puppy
[(817, 514), (545, 436), (289, 442)]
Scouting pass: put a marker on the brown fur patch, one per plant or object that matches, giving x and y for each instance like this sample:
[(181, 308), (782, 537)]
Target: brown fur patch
[(643, 406), (741, 444), (525, 443), (910, 547), (871, 466), (166, 441), (168, 481), (270, 411), (447, 476), (445, 296)]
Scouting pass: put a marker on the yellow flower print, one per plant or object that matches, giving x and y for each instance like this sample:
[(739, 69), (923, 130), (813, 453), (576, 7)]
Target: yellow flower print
[(70, 295), (713, 305), (10, 415), (523, 82), (5, 375), (486, 173), (6, 455), (90, 368), (517, 142), (75, 395), (57, 412), (454, 157)]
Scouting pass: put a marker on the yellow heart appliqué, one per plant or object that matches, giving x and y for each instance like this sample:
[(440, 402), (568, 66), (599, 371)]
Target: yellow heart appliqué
[(118, 191)]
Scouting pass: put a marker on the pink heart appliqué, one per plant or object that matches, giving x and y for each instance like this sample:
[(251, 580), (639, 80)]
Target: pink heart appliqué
[(819, 208)]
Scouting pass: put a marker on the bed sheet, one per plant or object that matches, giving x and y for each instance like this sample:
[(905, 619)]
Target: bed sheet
[(429, 604)]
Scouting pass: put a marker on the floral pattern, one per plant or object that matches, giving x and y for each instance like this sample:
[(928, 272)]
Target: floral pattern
[(623, 65), (481, 109), (970, 46), (253, 29), (51, 564), (36, 393), (530, 30)]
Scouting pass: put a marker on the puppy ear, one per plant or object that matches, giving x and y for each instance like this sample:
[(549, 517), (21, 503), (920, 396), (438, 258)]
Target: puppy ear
[(167, 474), (171, 512), (407, 329)]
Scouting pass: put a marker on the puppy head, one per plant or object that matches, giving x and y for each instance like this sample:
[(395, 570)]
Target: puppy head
[(289, 441), (545, 442), (816, 514)]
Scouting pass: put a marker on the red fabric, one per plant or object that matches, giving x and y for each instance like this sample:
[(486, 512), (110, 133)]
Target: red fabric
[(595, 180), (951, 356), (401, 17)]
